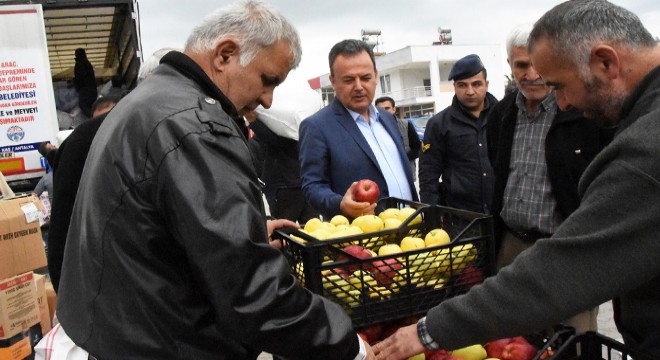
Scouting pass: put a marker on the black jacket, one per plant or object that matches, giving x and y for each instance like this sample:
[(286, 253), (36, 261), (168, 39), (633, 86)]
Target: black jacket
[(67, 170), (455, 148), (167, 254), (570, 145)]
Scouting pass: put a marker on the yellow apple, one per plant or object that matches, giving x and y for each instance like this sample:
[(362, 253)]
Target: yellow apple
[(335, 283), (391, 223), (405, 213), (436, 283), (362, 279), (390, 213), (402, 277), (368, 223), (472, 352), (410, 243), (321, 234), (465, 252), (339, 220), (389, 249), (312, 224), (436, 237), (432, 265), (328, 226)]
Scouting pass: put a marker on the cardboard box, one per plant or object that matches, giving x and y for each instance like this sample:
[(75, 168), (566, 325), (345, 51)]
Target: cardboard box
[(21, 346), (51, 298), (21, 246), (19, 309), (42, 300)]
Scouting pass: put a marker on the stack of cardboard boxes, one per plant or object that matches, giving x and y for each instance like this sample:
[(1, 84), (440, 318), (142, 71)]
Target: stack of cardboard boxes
[(25, 314)]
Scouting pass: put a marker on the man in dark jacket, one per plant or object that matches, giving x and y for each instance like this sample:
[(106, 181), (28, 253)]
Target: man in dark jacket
[(538, 153), (67, 169), (599, 58), (167, 254), (454, 147), (84, 80), (280, 167)]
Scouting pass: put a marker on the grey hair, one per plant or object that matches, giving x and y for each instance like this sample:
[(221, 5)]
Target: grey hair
[(517, 38), (253, 24), (149, 65), (574, 27)]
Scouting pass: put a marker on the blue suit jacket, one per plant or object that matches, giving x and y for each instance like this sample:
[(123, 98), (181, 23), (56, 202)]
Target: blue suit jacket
[(334, 154)]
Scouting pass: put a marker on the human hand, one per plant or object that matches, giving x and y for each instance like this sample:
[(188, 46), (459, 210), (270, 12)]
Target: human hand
[(272, 225), (403, 344), (351, 208), (370, 352)]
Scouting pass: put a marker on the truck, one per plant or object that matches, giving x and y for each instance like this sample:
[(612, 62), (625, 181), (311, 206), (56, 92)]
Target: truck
[(38, 39)]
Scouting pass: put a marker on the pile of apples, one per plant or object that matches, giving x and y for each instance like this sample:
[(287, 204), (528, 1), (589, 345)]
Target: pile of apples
[(516, 348), (339, 226), (381, 278)]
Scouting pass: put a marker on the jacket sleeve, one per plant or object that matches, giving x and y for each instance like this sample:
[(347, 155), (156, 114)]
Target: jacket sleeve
[(607, 248), (431, 162), (206, 191), (493, 133), (315, 170), (414, 142), (41, 186)]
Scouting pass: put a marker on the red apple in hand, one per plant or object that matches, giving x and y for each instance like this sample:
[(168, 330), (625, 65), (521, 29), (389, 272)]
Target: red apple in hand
[(519, 351), (366, 191)]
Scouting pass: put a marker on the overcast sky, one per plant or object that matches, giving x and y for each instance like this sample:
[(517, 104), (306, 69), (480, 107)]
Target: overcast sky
[(321, 24)]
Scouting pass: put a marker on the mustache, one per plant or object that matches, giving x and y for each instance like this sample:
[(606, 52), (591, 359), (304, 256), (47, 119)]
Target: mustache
[(537, 82)]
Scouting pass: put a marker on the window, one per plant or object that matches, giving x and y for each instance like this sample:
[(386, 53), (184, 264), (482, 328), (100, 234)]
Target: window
[(385, 85), (417, 110)]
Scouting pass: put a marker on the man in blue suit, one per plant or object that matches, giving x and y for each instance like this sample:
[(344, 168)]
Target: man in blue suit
[(351, 139)]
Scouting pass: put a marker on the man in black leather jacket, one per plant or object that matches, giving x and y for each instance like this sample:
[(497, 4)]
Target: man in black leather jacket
[(167, 255)]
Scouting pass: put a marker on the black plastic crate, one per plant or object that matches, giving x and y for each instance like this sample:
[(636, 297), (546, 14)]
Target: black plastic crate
[(400, 285), (587, 346)]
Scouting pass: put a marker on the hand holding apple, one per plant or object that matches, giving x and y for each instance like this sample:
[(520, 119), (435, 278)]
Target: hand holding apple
[(366, 191), (352, 208)]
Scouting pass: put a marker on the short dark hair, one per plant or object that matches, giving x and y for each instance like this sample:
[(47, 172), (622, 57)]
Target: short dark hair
[(106, 100), (382, 99), (350, 47)]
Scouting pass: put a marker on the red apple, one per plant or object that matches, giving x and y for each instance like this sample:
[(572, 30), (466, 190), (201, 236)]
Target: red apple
[(519, 339), (469, 277), (366, 191), (442, 355), (384, 271), (338, 271), (372, 332), (494, 348), (519, 351), (359, 252), (364, 337)]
